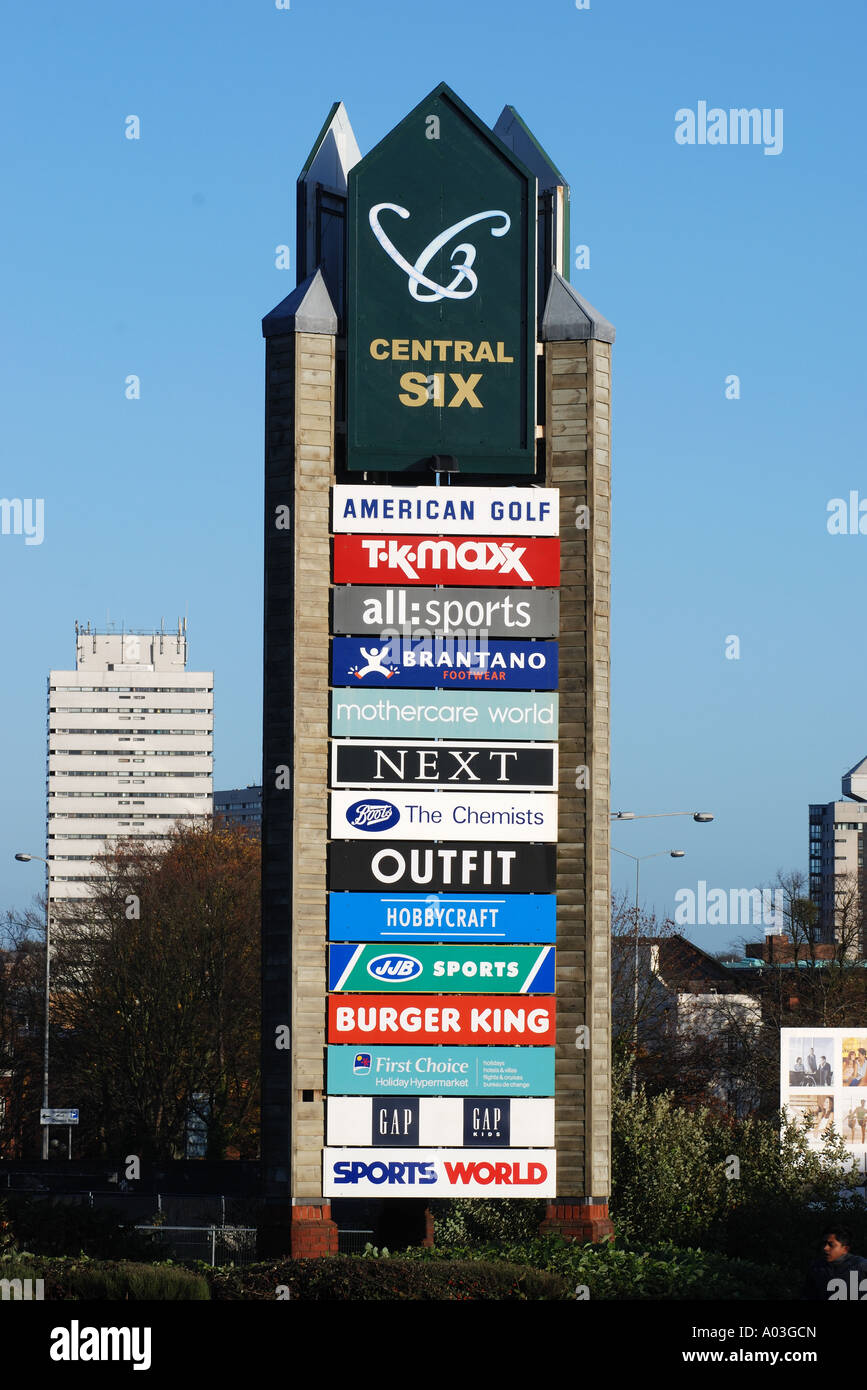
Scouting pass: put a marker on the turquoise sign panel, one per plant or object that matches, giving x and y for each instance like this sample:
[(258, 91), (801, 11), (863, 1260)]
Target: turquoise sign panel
[(444, 714), (440, 1071)]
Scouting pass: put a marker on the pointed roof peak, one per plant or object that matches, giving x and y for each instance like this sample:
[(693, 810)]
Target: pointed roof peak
[(308, 309), (568, 316)]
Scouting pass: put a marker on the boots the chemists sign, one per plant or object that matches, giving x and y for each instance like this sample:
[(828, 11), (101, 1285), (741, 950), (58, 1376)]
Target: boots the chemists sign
[(441, 310)]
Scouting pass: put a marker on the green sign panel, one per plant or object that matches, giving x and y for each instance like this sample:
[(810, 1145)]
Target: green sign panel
[(441, 298), (446, 969)]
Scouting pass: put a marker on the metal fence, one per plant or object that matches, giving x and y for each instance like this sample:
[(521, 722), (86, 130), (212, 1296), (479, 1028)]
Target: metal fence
[(215, 1245), (353, 1242)]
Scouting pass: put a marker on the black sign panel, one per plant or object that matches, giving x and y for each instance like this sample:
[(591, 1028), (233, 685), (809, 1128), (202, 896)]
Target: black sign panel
[(359, 866), (395, 1122), (486, 1123), (527, 765)]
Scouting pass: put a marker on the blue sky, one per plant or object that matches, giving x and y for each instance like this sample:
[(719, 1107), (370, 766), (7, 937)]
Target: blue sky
[(156, 257)]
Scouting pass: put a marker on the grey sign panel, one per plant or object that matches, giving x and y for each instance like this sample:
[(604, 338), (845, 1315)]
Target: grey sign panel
[(390, 612)]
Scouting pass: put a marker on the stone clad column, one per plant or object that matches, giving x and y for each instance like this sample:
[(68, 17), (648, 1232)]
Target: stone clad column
[(299, 471), (577, 373)]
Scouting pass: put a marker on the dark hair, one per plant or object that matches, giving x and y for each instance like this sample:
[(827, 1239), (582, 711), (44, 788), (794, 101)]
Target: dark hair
[(843, 1234)]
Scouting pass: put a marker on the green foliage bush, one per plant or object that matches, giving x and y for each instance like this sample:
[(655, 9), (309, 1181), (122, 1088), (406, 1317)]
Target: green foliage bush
[(82, 1279), (351, 1279), (673, 1182), (609, 1273), (48, 1227), (464, 1221)]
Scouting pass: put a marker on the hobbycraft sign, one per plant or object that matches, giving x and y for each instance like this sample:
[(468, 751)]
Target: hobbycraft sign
[(451, 969), (444, 1121), (445, 815), (503, 868), (434, 1172), (441, 273), (435, 560), (400, 612), (449, 662), (441, 1071), (483, 917), (449, 511), (367, 1018)]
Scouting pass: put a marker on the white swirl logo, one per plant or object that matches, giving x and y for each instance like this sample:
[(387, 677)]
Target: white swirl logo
[(418, 281)]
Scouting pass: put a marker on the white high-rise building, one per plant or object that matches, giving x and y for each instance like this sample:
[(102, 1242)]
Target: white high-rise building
[(130, 749), (837, 836)]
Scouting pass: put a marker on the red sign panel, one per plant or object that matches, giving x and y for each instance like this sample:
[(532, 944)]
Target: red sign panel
[(435, 560), (417, 1018)]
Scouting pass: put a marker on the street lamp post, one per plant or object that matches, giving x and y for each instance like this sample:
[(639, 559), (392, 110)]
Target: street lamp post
[(637, 860), (25, 859)]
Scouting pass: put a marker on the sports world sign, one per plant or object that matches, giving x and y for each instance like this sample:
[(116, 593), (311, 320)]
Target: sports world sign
[(449, 969), (504, 868), (444, 661), (441, 297), (445, 815), (433, 1172), (441, 1071), (521, 767), (453, 511), (419, 560), (483, 917)]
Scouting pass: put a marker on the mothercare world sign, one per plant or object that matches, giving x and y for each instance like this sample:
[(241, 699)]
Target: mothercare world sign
[(449, 714)]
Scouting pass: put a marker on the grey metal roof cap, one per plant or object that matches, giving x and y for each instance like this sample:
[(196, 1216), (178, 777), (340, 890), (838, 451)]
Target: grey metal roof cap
[(568, 316), (308, 309)]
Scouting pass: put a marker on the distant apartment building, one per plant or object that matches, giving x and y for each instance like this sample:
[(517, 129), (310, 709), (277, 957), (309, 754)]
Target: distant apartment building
[(240, 806), (837, 849), (130, 749)]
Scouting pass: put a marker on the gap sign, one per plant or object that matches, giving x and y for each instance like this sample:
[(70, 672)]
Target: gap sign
[(444, 1121), (441, 1071), (502, 868), (519, 767), (442, 969), (445, 917), (444, 661)]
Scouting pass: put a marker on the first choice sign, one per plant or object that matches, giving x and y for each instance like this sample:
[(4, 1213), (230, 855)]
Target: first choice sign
[(452, 511), (441, 297), (441, 1071)]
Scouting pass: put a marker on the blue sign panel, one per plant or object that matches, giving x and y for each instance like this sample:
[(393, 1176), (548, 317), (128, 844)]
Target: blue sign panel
[(457, 663), (493, 917), (440, 1071)]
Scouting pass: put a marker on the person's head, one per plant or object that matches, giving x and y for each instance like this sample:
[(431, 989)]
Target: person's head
[(862, 1051), (824, 1059), (836, 1242)]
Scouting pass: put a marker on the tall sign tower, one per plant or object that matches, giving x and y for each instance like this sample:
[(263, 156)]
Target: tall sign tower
[(435, 787)]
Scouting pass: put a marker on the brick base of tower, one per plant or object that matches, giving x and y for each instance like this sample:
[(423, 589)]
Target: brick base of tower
[(301, 1232), (578, 1218)]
